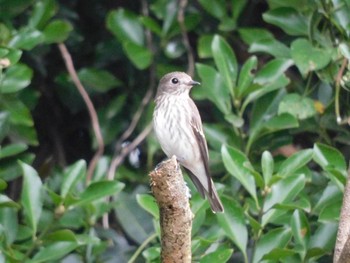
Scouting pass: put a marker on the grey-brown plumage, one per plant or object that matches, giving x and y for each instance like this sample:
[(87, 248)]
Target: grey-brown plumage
[(178, 128)]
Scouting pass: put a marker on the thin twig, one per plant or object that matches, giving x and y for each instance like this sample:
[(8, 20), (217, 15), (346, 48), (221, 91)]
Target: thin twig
[(337, 90), (146, 99), (141, 247), (185, 40), (126, 150), (91, 109)]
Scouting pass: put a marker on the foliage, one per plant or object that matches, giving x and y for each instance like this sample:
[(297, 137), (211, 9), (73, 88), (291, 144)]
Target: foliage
[(276, 80)]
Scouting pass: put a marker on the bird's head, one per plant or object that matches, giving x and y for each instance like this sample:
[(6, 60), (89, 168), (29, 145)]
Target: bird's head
[(175, 83)]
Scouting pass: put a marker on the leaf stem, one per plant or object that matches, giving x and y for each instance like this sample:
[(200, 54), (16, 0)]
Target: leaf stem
[(141, 247)]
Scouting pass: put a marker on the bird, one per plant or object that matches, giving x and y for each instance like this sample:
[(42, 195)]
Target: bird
[(178, 128)]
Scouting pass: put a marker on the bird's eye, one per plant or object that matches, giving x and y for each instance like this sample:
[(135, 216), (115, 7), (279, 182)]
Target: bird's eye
[(174, 80)]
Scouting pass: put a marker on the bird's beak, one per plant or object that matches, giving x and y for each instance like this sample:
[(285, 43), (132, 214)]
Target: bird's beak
[(192, 83)]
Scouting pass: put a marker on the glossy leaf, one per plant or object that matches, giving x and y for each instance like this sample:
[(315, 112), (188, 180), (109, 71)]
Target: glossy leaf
[(204, 46), (219, 255), (298, 106), (16, 78), (284, 191), (215, 8), (12, 149), (126, 26), (9, 224), (295, 162), (54, 251), (213, 87), (27, 39), (140, 56), (300, 228), (42, 12), (71, 177), (276, 238), (327, 157), (246, 76), (225, 61), (31, 197), (267, 166), (233, 223), (236, 164), (148, 203), (288, 19), (57, 31), (97, 190), (308, 58), (99, 80)]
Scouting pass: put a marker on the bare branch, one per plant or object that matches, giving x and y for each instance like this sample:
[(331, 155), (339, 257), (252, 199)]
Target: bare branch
[(91, 109)]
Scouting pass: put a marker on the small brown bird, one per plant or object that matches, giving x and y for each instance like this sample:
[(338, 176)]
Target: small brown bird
[(178, 128)]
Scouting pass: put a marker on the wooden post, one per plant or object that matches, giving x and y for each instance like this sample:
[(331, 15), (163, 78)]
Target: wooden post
[(342, 245), (172, 195)]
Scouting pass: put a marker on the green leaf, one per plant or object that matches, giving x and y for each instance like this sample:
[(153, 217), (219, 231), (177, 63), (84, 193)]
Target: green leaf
[(284, 191), (236, 164), (72, 176), (272, 71), (233, 223), (215, 8), (298, 106), (140, 56), (300, 228), (332, 162), (14, 56), (19, 113), (8, 224), (246, 76), (324, 236), (97, 190), (12, 149), (148, 203), (61, 235), (295, 162), (251, 35), (16, 78), (5, 201), (270, 46), (31, 197), (308, 58), (136, 222), (54, 251), (214, 88), (204, 46), (27, 39), (42, 12), (329, 196), (126, 26), (225, 61), (99, 80), (281, 122), (288, 19), (221, 255), (267, 166), (151, 24), (57, 31), (275, 238)]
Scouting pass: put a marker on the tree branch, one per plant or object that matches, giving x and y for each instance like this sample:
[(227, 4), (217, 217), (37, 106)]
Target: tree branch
[(91, 109), (171, 193)]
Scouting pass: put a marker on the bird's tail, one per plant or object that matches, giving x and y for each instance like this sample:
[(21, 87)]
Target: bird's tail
[(213, 197), (214, 200)]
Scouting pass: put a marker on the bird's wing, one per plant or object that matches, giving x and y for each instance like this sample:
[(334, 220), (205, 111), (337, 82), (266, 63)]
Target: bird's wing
[(197, 128)]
